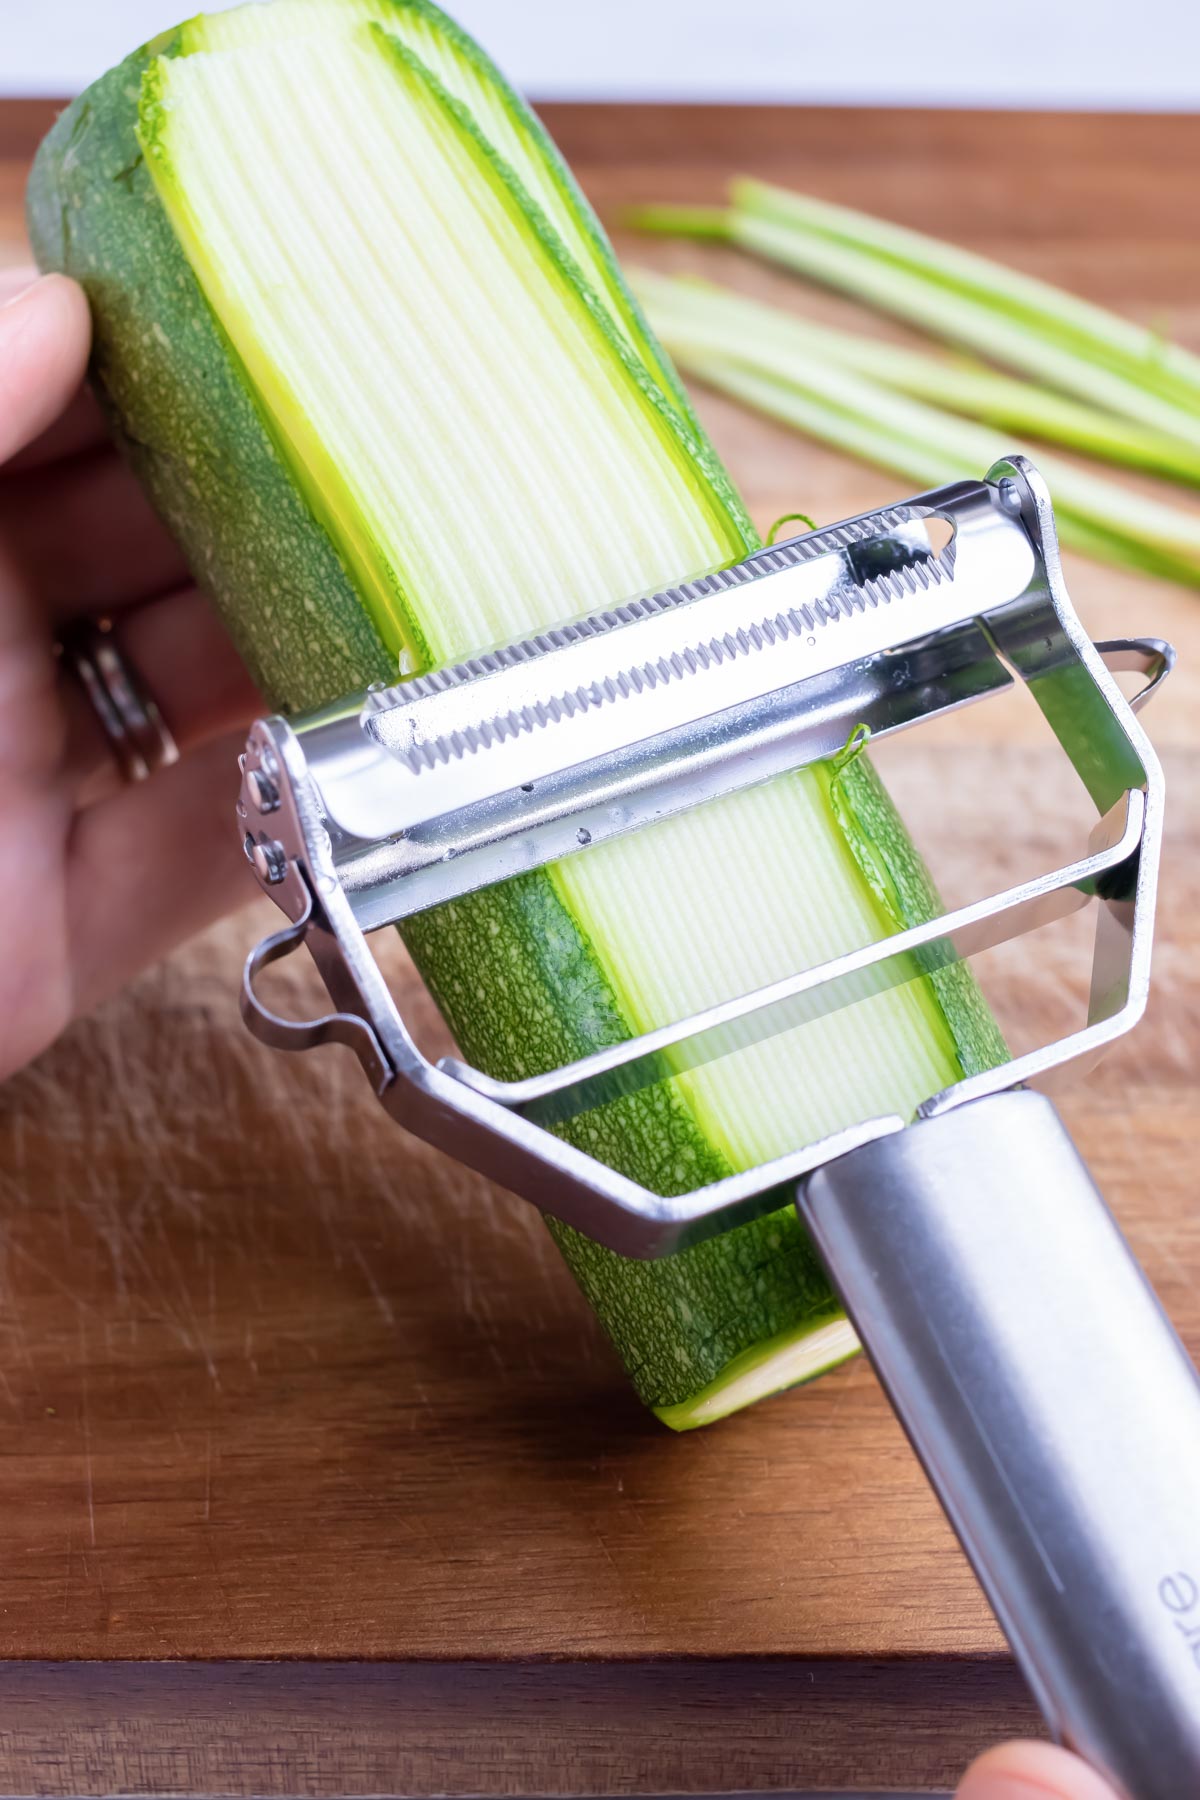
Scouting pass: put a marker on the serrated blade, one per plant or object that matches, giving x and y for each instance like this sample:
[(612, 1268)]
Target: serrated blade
[(534, 749), (652, 664)]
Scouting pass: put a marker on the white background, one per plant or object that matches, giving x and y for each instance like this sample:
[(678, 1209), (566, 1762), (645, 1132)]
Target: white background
[(1135, 53)]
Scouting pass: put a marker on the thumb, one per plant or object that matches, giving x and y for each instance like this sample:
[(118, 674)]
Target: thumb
[(1026, 1771), (44, 337)]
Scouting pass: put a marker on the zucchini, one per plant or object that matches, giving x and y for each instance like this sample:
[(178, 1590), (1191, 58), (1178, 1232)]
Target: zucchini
[(366, 345)]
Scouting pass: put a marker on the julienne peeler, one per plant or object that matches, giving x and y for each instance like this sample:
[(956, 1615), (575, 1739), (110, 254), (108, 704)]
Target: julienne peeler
[(1054, 1409)]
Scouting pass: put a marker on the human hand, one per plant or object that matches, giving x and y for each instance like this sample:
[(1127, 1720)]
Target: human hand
[(97, 878), (1028, 1771)]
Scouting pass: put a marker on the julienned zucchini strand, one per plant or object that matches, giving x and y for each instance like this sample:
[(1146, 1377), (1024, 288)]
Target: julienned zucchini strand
[(387, 297)]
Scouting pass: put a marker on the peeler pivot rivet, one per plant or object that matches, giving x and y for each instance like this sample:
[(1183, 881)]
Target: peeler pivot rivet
[(270, 863), (1010, 495), (263, 791)]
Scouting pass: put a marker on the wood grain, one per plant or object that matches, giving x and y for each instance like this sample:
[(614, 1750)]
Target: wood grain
[(462, 1729), (276, 1382)]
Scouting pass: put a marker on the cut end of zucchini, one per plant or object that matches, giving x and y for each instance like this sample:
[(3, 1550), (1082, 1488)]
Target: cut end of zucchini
[(785, 1361)]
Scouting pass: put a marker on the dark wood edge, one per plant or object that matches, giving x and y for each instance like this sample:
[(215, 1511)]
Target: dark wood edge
[(633, 1728)]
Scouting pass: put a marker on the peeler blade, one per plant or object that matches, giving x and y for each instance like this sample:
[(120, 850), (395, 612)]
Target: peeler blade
[(520, 756), (916, 628)]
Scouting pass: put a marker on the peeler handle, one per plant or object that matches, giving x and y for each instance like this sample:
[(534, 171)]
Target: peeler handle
[(1055, 1411)]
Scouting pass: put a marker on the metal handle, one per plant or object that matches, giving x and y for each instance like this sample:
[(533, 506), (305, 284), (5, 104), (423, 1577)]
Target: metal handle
[(1054, 1409)]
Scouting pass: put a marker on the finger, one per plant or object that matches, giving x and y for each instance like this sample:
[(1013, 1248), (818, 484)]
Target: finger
[(82, 538), (151, 867), (81, 426), (45, 334), (184, 657), (1028, 1771)]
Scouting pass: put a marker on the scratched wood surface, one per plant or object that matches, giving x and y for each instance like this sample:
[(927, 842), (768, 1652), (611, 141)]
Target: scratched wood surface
[(276, 1382)]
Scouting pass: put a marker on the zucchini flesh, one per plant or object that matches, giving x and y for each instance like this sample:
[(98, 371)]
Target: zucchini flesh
[(369, 352), (434, 253), (503, 120)]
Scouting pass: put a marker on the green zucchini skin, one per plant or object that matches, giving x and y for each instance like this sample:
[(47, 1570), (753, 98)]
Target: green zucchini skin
[(183, 413), (176, 401), (904, 889)]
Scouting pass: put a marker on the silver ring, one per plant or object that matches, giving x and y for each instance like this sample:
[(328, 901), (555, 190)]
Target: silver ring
[(137, 734)]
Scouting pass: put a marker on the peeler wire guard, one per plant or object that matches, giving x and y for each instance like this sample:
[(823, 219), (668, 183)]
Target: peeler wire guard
[(992, 607)]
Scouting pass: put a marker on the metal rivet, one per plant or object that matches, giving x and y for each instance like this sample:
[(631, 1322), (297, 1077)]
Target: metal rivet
[(1010, 495), (270, 862), (262, 791)]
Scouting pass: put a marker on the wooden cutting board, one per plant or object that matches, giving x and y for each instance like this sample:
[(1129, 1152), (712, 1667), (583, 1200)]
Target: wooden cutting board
[(316, 1474)]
